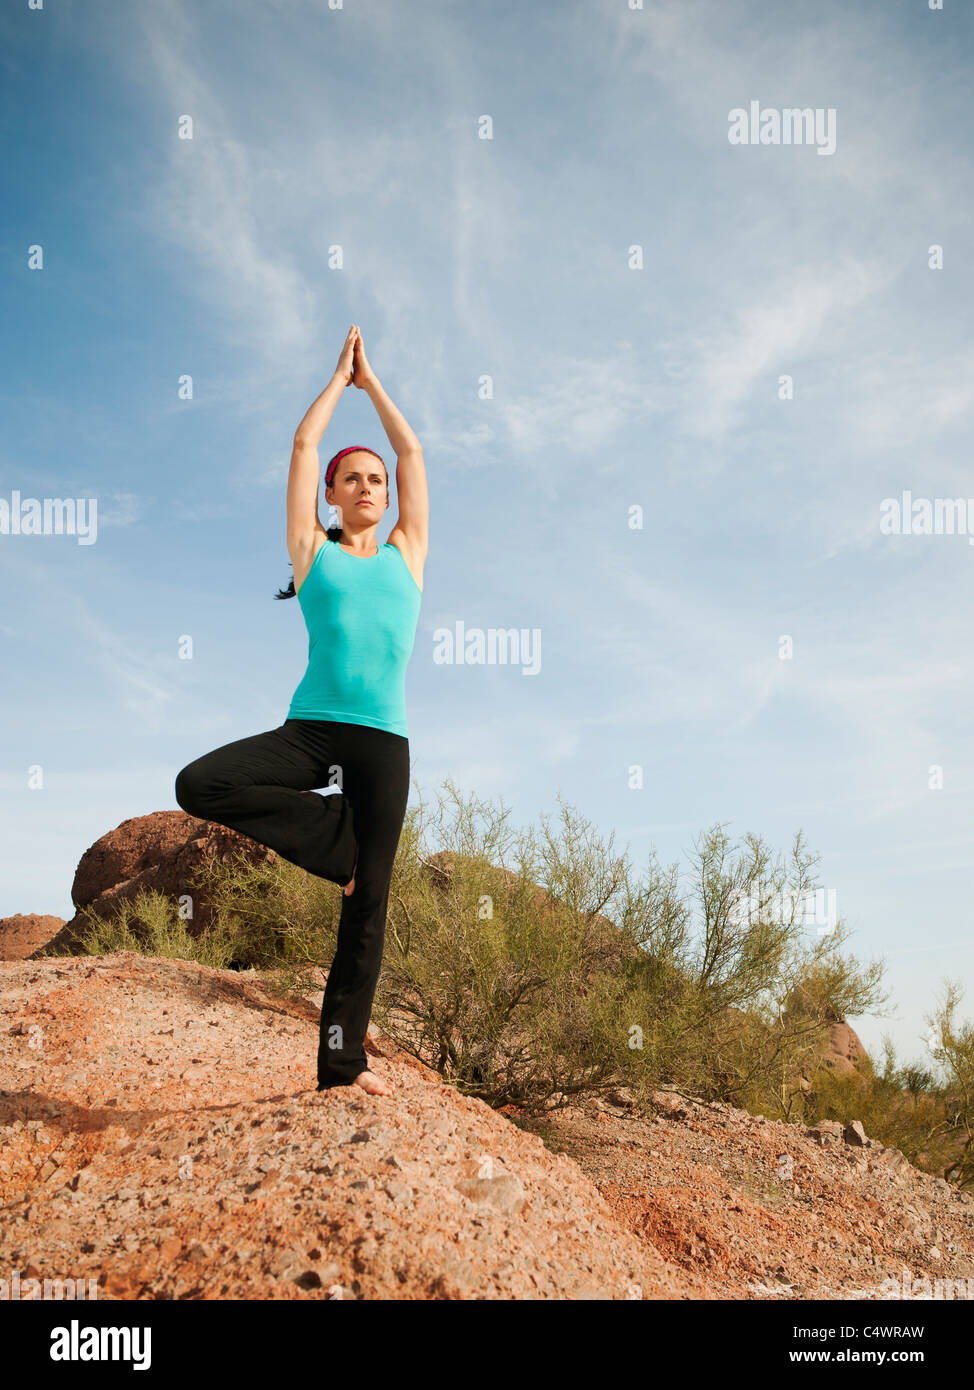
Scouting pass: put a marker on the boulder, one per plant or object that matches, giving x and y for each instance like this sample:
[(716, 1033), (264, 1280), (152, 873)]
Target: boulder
[(159, 851), (855, 1135)]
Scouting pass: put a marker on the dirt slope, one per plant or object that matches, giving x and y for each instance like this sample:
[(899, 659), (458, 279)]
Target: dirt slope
[(161, 1133), (748, 1208)]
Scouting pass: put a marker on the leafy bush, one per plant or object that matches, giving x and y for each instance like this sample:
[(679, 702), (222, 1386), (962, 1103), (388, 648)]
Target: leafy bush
[(150, 924), (527, 969)]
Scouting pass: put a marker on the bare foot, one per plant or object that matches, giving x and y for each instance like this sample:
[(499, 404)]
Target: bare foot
[(373, 1084), (350, 885)]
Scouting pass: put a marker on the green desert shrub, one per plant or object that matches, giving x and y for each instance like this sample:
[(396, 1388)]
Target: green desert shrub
[(528, 967), (150, 924)]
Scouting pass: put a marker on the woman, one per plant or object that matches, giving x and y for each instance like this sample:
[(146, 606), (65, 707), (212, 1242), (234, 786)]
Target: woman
[(346, 725)]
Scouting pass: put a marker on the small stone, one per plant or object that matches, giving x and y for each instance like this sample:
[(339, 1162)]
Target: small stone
[(622, 1098), (505, 1193), (825, 1132), (398, 1191)]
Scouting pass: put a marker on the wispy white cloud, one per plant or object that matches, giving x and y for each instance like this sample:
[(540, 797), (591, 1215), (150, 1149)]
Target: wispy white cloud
[(817, 301), (136, 679), (193, 510), (122, 509), (908, 396), (581, 406), (720, 367)]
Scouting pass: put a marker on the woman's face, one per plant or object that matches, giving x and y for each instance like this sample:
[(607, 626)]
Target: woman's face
[(359, 489)]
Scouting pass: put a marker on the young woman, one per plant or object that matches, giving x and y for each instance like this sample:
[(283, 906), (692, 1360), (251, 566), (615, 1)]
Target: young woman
[(346, 725)]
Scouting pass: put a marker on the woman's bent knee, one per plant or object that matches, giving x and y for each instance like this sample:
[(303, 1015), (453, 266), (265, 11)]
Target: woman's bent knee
[(188, 790)]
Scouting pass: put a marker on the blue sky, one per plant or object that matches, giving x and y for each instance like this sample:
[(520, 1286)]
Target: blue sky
[(613, 388)]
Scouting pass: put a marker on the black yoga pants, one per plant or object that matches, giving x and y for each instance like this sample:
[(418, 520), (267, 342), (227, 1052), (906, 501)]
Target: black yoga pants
[(262, 786)]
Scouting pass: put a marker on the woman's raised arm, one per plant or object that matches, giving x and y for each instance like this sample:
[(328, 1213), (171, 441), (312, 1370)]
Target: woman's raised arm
[(413, 523), (305, 471)]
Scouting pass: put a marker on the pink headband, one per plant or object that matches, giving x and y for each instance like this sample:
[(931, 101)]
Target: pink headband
[(352, 449)]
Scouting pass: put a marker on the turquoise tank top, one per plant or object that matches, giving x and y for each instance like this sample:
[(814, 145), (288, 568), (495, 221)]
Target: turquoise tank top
[(361, 614)]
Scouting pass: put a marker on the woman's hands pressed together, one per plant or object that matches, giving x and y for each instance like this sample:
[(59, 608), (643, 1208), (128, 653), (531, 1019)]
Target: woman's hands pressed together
[(362, 375), (346, 361), (353, 366)]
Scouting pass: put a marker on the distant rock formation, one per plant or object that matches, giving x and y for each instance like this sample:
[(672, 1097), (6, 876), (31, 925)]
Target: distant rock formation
[(846, 1053), (26, 932)]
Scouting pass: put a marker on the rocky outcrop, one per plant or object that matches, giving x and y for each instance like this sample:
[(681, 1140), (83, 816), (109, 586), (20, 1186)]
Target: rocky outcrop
[(157, 851), (846, 1053), (841, 1054)]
